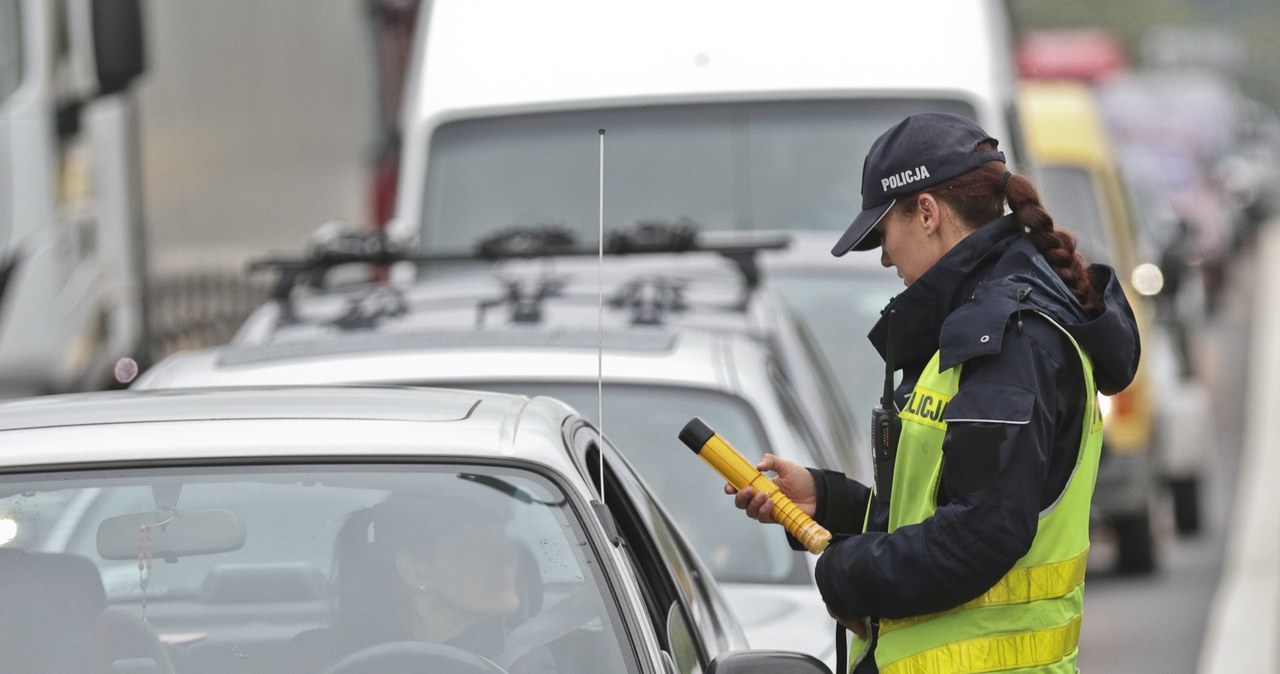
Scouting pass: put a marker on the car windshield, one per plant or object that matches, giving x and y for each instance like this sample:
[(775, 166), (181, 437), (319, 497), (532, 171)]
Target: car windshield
[(283, 568), (840, 309), (643, 422), (740, 166), (1070, 196)]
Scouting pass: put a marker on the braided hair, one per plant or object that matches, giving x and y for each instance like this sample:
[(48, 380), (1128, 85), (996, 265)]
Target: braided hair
[(979, 196)]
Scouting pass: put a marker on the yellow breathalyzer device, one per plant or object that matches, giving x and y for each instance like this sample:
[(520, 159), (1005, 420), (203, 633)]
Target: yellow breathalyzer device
[(741, 474)]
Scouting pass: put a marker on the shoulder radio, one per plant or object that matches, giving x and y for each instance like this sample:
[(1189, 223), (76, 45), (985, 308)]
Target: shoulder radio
[(886, 426)]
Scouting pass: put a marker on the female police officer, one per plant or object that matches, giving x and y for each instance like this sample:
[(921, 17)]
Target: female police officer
[(975, 560)]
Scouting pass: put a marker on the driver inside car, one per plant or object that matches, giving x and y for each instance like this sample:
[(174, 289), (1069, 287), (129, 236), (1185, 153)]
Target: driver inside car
[(417, 569)]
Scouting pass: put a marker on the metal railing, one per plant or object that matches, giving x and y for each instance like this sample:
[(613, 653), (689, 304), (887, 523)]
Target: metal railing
[(199, 309)]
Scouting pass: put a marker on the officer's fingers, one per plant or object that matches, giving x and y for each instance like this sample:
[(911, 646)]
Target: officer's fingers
[(765, 513), (757, 501), (786, 469), (767, 463), (858, 626), (761, 509), (782, 467), (794, 479), (729, 489), (743, 498)]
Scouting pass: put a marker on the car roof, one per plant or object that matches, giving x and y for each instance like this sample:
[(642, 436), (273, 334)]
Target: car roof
[(683, 358), (176, 405), (311, 340), (333, 422)]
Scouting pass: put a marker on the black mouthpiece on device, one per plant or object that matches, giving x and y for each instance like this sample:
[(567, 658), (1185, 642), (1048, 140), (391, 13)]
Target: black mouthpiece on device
[(695, 434)]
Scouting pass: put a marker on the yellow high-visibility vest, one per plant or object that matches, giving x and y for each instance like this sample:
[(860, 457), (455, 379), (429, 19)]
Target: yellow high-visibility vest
[(1027, 622)]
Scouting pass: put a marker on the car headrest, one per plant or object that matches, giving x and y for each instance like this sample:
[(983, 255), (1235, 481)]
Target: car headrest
[(62, 587), (48, 605)]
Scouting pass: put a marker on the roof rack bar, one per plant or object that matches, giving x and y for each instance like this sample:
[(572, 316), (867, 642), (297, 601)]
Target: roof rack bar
[(376, 248)]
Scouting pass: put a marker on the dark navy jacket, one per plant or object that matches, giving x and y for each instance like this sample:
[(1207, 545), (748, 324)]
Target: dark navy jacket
[(981, 305)]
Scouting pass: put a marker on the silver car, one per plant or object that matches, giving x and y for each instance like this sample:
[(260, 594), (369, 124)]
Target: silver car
[(690, 290), (657, 375), (196, 531)]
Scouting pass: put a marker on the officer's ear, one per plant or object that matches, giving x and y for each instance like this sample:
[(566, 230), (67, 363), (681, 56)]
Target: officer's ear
[(929, 213)]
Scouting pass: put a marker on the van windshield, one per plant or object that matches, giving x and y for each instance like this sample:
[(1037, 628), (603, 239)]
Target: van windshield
[(788, 165)]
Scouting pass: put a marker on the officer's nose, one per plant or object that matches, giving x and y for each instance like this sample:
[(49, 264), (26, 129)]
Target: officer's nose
[(884, 257)]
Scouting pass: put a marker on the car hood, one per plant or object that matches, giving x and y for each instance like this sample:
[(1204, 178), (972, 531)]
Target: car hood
[(789, 618)]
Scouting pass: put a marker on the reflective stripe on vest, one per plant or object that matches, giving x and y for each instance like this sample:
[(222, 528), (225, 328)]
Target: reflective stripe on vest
[(989, 654), (1019, 586), (1030, 619)]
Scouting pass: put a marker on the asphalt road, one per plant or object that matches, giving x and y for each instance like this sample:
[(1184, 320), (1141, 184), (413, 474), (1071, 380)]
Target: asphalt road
[(1157, 623)]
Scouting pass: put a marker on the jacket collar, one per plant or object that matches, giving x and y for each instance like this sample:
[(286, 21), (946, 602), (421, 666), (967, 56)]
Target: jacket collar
[(919, 312), (961, 306)]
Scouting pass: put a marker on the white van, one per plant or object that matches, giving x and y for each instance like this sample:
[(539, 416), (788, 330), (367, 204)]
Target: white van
[(735, 115), (727, 114), (71, 279)]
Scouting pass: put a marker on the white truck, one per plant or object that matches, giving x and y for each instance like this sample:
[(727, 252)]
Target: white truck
[(71, 265)]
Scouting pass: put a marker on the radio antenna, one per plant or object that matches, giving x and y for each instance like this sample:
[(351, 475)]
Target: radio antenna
[(600, 331)]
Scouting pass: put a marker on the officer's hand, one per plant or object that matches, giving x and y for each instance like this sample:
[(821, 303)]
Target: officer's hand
[(793, 480), (859, 626)]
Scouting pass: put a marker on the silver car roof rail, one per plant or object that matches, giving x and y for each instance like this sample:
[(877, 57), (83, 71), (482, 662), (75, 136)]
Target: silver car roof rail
[(649, 297)]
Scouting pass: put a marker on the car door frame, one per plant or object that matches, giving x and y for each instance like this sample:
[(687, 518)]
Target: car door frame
[(665, 563)]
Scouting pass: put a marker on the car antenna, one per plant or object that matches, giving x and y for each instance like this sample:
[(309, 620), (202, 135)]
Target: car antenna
[(600, 331)]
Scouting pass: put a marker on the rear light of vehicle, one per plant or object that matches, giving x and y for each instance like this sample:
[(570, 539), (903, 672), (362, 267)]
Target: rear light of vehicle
[(1123, 404), (1117, 407), (383, 190)]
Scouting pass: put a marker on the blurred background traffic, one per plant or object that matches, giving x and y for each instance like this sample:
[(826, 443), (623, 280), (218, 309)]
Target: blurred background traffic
[(215, 134)]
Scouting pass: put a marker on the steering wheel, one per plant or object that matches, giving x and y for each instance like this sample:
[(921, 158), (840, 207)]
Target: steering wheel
[(414, 656)]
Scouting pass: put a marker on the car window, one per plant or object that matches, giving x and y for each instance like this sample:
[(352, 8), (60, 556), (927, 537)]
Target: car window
[(684, 651), (694, 623), (644, 422), (835, 402), (288, 568), (841, 310), (798, 424), (1072, 198), (763, 165), (1153, 217)]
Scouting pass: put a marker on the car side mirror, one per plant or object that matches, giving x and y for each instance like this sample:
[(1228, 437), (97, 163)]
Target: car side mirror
[(766, 662)]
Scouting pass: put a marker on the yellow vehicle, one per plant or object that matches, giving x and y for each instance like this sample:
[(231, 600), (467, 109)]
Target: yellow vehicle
[(1080, 186)]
